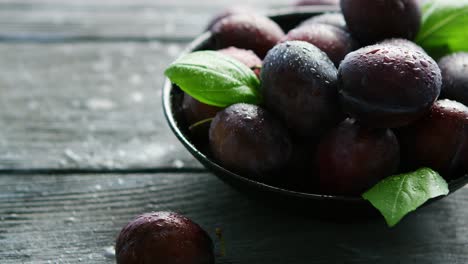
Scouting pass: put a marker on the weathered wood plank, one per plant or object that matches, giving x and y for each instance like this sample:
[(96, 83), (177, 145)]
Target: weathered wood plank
[(58, 20), (86, 106), (75, 219)]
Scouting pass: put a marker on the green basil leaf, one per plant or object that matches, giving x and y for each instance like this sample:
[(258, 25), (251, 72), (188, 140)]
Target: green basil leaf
[(398, 195), (215, 79), (444, 27)]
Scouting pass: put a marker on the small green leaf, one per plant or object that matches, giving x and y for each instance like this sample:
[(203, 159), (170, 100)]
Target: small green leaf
[(215, 79), (444, 27), (398, 195)]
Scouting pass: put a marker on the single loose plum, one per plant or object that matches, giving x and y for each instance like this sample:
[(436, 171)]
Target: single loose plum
[(352, 158), (370, 20), (388, 86), (299, 86), (247, 139), (333, 19), (439, 140), (247, 31), (336, 43), (163, 238), (247, 57), (455, 76)]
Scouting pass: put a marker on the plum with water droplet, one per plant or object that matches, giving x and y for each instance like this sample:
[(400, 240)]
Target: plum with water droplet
[(371, 21), (336, 43), (163, 238), (332, 19), (454, 69), (439, 140), (352, 158), (247, 31), (388, 86), (299, 86), (247, 139), (404, 43)]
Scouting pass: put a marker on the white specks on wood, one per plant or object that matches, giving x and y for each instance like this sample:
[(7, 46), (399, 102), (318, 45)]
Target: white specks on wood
[(50, 120), (67, 217)]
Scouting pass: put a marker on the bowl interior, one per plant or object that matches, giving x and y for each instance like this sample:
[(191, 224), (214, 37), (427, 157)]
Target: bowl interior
[(172, 102)]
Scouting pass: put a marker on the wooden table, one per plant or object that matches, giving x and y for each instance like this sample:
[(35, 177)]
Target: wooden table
[(85, 148)]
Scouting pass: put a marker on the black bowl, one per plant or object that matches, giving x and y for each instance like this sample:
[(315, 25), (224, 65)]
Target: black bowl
[(328, 206)]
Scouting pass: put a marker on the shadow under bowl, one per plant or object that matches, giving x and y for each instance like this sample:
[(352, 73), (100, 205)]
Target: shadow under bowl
[(324, 206)]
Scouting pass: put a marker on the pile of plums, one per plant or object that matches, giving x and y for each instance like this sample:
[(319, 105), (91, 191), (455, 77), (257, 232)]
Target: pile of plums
[(348, 99)]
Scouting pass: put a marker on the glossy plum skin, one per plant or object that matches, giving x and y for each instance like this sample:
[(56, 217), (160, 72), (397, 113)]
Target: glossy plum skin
[(247, 57), (336, 43), (439, 140), (332, 19), (371, 21), (455, 76), (404, 43), (352, 158), (247, 31), (247, 139), (163, 238), (299, 86), (388, 86)]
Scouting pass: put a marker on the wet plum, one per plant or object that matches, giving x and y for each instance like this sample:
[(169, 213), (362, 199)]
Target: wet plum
[(247, 57), (335, 42), (333, 19), (352, 158), (247, 31), (371, 21), (455, 76), (439, 140), (247, 139), (404, 43), (299, 86), (388, 86), (163, 238)]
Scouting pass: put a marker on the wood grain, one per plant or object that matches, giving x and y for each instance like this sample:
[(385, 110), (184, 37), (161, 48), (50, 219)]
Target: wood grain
[(86, 106), (75, 219), (80, 91), (46, 21)]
